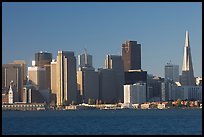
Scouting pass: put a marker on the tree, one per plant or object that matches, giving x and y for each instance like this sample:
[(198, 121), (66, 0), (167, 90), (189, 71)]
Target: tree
[(178, 102), (90, 101)]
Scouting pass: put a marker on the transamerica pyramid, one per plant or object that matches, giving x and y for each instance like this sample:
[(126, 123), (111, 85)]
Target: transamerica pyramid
[(187, 77)]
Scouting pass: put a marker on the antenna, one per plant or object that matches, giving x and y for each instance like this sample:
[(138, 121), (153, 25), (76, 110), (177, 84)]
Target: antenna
[(85, 50)]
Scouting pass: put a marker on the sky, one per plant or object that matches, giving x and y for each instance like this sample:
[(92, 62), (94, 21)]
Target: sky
[(101, 28)]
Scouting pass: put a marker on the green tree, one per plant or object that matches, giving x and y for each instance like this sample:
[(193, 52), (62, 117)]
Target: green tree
[(90, 101), (178, 102)]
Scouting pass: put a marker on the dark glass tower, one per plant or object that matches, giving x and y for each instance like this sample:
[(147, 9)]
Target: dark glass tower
[(43, 58)]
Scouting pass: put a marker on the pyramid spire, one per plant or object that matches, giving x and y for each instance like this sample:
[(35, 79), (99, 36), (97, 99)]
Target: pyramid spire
[(187, 68), (187, 40)]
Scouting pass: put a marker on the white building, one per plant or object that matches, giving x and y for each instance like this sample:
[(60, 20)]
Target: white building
[(11, 94), (172, 72), (135, 94), (198, 81)]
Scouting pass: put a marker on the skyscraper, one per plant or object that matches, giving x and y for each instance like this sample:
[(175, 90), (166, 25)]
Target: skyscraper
[(131, 55), (172, 72), (88, 85), (65, 71), (187, 77), (43, 59), (14, 72), (37, 76), (115, 63), (85, 61)]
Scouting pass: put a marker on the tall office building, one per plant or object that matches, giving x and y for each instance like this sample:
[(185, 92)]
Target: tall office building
[(43, 59), (85, 61), (172, 72), (88, 85), (131, 55), (107, 86), (66, 83), (22, 63), (187, 77), (14, 72), (37, 76), (115, 63)]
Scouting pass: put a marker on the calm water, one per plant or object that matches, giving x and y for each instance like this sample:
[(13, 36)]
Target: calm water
[(148, 122)]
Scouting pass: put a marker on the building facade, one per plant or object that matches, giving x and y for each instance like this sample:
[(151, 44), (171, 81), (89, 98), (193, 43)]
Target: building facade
[(37, 76), (172, 72), (187, 77), (107, 86), (131, 55), (88, 85), (115, 63), (135, 94), (43, 59), (66, 82), (14, 72), (85, 61)]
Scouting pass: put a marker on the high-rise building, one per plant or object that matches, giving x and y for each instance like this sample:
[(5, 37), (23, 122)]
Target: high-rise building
[(131, 55), (66, 82), (172, 72), (53, 75), (187, 77), (155, 86), (85, 61), (107, 86), (135, 76), (22, 63), (14, 72), (115, 63), (88, 85), (135, 94), (43, 59), (37, 76)]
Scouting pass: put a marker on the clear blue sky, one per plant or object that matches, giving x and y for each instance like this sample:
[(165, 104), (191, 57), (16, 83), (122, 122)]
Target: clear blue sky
[(101, 28)]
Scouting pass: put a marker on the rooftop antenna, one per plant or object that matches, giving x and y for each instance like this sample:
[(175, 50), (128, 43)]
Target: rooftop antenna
[(85, 51)]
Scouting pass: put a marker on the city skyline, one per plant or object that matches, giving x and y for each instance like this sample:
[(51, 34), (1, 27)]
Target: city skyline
[(43, 28)]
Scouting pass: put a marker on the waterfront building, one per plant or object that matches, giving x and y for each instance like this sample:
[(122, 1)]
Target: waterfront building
[(32, 95), (115, 63), (14, 72), (131, 55), (65, 85), (88, 85), (107, 86), (135, 94), (154, 88), (166, 89), (11, 94), (187, 77), (198, 81), (172, 72), (187, 92)]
